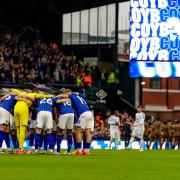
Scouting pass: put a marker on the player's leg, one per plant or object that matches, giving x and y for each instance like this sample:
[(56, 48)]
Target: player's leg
[(131, 141), (7, 137), (32, 134), (22, 135), (79, 140), (117, 136), (1, 140), (40, 124), (158, 141), (86, 149), (54, 133), (13, 132), (69, 125), (176, 142), (69, 140), (17, 120), (14, 139), (140, 135), (60, 131), (21, 115), (112, 137), (169, 141), (59, 139), (141, 144), (133, 135), (81, 125), (111, 141), (74, 139), (23, 127), (173, 142), (38, 139), (44, 141), (88, 121), (4, 126), (4, 135), (49, 126)]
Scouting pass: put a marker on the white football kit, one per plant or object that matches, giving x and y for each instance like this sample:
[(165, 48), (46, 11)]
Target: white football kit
[(138, 130), (114, 122)]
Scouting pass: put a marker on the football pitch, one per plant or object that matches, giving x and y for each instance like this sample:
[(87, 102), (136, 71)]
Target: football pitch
[(101, 165)]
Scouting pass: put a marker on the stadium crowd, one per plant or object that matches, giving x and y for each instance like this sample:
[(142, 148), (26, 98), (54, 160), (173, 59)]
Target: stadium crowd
[(26, 58)]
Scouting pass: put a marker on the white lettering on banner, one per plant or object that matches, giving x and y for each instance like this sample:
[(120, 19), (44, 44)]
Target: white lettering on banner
[(165, 69), (155, 30), (149, 3)]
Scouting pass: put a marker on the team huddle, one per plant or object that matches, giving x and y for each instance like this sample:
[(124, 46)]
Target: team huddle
[(50, 117)]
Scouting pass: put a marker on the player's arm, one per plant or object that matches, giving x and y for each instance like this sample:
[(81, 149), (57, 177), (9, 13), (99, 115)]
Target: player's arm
[(38, 96), (17, 92), (26, 96), (55, 114), (4, 97), (19, 98), (62, 96), (60, 101)]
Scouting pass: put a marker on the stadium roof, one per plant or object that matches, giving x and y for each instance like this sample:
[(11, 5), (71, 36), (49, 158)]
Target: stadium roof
[(34, 6)]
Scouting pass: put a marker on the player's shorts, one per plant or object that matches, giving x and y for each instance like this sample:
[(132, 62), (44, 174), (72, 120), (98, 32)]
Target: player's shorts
[(86, 120), (66, 121), (33, 124), (114, 134), (4, 116), (54, 126), (44, 118), (12, 123), (21, 114), (138, 132)]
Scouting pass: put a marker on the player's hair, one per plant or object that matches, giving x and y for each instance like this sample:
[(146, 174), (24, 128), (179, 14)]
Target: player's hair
[(139, 106), (66, 91), (116, 111), (35, 90), (57, 93)]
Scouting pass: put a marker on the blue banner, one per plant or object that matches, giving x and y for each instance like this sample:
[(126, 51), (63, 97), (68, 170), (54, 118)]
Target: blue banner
[(155, 30), (154, 69)]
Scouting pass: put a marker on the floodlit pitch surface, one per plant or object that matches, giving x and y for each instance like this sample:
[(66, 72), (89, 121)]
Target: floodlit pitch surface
[(101, 165)]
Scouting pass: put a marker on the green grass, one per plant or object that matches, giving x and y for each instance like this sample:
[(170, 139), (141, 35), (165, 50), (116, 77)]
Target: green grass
[(101, 165)]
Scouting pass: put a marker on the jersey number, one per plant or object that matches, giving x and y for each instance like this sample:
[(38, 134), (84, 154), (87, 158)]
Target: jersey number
[(81, 100), (8, 98), (68, 103), (49, 101)]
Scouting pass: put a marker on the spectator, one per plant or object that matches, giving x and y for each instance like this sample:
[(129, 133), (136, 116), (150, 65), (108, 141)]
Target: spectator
[(88, 79)]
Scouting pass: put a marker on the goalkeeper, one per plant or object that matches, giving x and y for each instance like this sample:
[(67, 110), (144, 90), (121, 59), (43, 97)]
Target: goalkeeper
[(21, 114)]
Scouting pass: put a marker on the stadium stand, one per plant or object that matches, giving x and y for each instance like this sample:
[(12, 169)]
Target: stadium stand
[(26, 58)]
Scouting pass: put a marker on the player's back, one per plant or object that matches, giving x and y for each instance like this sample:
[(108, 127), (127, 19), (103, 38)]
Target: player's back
[(79, 103), (65, 108), (45, 104), (8, 103)]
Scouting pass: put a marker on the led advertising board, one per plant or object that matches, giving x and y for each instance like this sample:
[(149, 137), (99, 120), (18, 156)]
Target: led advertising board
[(154, 34)]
